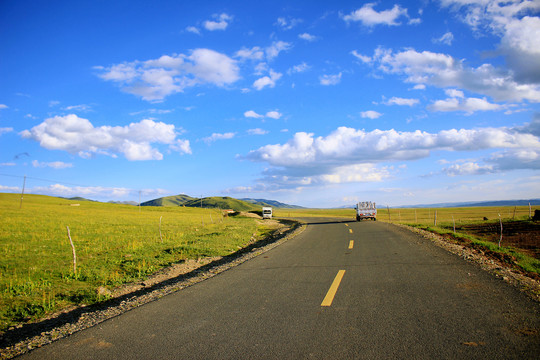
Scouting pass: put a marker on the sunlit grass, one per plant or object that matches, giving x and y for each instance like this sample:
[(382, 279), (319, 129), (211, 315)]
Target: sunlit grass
[(114, 244)]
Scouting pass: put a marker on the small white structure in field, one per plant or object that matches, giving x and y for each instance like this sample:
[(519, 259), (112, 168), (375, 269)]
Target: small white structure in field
[(366, 210), (266, 212)]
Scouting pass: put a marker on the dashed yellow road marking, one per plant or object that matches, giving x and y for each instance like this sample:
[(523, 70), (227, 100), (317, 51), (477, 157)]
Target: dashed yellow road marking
[(351, 244), (350, 230), (327, 301), (346, 224)]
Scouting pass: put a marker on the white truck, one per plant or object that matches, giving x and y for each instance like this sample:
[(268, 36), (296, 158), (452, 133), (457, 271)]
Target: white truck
[(267, 212), (366, 210)]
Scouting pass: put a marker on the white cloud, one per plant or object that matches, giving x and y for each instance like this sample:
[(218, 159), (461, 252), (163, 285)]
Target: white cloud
[(221, 22), (273, 50), (330, 79), (370, 114), (253, 114), (516, 23), (78, 136), (273, 114), (96, 192), (181, 146), (218, 136), (444, 71), (446, 39), (193, 29), (153, 80), (265, 81), (362, 58), (467, 105), (81, 107), (8, 164), (299, 68), (54, 164), (370, 17), (402, 101), (5, 130), (255, 53), (257, 131), (468, 168), (287, 23), (305, 158), (307, 37), (3, 106)]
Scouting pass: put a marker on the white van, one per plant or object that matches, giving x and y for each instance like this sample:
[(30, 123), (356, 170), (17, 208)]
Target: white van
[(267, 212)]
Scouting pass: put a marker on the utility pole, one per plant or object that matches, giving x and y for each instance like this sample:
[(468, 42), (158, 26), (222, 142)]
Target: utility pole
[(22, 193)]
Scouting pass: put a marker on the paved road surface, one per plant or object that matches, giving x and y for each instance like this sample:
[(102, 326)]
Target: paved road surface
[(394, 295)]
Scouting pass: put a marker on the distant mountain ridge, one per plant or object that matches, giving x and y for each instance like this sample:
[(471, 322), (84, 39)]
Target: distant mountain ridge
[(221, 202)]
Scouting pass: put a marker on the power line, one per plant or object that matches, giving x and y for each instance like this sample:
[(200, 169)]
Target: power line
[(46, 180)]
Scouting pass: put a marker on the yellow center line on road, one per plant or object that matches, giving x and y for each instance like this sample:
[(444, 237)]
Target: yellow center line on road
[(350, 230), (327, 301), (346, 224), (351, 244)]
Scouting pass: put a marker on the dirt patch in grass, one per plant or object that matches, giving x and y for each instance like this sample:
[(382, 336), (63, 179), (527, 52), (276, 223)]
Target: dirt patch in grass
[(522, 235)]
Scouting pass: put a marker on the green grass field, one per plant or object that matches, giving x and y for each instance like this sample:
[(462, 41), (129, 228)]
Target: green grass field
[(114, 244)]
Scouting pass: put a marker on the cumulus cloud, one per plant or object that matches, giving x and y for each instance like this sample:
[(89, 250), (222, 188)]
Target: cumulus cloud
[(253, 114), (370, 114), (444, 71), (330, 79), (306, 157), (370, 17), (274, 114), (153, 80), (307, 37), (467, 105), (513, 23), (269, 80), (3, 106), (220, 23), (273, 50), (78, 136)]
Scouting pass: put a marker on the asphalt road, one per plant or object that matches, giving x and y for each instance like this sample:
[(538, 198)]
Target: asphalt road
[(388, 294)]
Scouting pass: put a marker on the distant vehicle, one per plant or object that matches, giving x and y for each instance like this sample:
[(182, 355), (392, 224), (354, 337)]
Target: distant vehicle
[(267, 212), (366, 210)]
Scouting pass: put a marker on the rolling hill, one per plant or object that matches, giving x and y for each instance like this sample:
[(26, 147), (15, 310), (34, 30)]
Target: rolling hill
[(175, 200), (221, 202)]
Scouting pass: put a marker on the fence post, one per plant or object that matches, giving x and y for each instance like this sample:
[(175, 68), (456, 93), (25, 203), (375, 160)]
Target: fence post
[(435, 222), (73, 251), (161, 237), (454, 223), (500, 239)]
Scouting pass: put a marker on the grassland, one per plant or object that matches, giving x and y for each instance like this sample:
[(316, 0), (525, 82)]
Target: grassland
[(114, 244)]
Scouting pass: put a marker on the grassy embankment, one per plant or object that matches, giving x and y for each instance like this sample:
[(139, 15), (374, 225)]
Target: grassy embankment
[(470, 227), (114, 244)]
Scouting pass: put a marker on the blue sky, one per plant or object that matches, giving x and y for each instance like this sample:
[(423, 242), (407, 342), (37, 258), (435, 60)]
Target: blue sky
[(312, 103)]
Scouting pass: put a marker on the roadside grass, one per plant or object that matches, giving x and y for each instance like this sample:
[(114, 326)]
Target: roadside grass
[(115, 244)]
